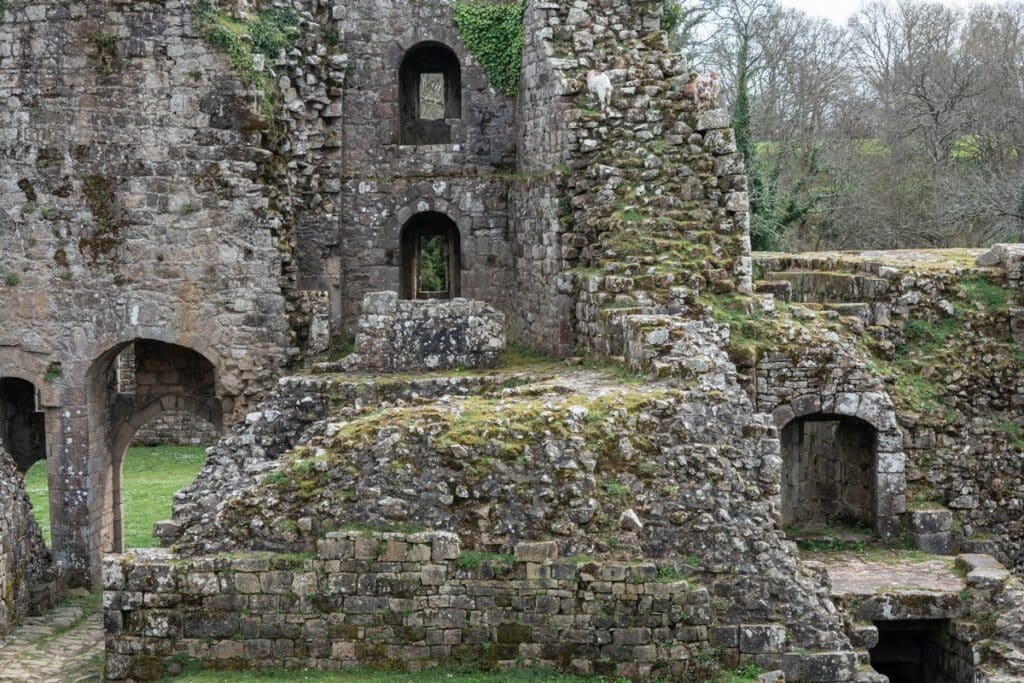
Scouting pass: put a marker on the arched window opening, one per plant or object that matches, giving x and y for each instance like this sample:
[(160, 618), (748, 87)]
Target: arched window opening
[(22, 424), (828, 472), (430, 94), (431, 258)]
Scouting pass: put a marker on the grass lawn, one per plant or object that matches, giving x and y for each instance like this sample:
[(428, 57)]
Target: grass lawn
[(151, 476), (433, 676), (449, 676)]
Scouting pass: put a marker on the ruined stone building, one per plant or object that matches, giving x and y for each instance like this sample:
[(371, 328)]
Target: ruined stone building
[(201, 204)]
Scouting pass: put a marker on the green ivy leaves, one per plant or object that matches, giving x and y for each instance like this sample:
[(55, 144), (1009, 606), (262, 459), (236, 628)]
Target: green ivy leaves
[(494, 34), (266, 33)]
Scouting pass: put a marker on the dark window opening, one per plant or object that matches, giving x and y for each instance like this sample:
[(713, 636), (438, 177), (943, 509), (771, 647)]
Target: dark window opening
[(919, 651), (430, 94), (22, 424), (828, 472), (431, 258)]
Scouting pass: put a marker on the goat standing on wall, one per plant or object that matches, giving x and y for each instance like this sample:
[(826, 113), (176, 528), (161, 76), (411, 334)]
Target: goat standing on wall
[(601, 86), (704, 90)]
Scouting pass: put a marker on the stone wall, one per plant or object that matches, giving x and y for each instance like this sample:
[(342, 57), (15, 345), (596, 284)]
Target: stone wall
[(411, 601), (827, 381), (397, 336), (384, 183), (27, 580), (377, 210), (935, 332), (538, 206), (176, 428)]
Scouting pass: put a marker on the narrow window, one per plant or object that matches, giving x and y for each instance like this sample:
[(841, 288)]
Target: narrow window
[(430, 94), (431, 258)]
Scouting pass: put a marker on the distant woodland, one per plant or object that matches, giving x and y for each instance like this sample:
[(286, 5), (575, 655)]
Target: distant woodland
[(903, 128)]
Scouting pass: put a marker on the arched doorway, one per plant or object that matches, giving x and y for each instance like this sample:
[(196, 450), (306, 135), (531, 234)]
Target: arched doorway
[(430, 94), (431, 258), (129, 386), (22, 423), (828, 471)]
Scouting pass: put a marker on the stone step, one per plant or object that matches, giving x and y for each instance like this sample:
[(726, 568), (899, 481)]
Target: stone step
[(782, 290), (813, 286), (983, 572)]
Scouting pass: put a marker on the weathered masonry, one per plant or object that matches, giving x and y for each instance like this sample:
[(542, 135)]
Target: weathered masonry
[(200, 203), (162, 227)]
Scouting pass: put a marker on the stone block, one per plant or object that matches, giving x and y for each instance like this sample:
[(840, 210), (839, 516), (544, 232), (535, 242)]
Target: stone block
[(711, 119), (445, 547), (929, 521), (762, 639), (828, 667), (536, 552)]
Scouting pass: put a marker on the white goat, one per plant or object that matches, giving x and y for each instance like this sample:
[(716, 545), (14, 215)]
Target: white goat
[(600, 85)]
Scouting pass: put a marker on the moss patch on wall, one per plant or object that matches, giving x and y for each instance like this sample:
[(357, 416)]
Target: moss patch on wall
[(494, 34), (252, 44)]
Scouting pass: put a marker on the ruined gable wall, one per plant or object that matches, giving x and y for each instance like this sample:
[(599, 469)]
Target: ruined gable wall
[(384, 183), (132, 194)]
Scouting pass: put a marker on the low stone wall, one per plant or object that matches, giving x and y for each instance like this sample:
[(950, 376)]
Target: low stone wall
[(176, 428), (26, 579), (413, 601), (399, 335)]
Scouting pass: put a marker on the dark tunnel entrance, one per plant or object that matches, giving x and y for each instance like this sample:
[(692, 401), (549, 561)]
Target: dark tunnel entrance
[(920, 651)]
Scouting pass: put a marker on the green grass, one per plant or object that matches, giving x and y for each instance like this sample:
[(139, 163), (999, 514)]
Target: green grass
[(448, 675), (987, 294), (151, 476)]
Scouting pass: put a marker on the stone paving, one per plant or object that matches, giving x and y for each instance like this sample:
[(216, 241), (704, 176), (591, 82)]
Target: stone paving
[(64, 646), (856, 576)]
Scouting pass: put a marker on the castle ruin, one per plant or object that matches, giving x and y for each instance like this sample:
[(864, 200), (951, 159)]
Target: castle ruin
[(200, 203)]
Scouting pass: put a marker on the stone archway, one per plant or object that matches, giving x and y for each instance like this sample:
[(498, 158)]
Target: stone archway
[(858, 427), (165, 377)]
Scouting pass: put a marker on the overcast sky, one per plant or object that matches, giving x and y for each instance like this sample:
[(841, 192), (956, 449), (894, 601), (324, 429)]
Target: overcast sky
[(840, 10)]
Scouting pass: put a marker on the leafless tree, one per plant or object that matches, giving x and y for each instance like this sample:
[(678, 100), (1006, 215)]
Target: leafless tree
[(903, 128)]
